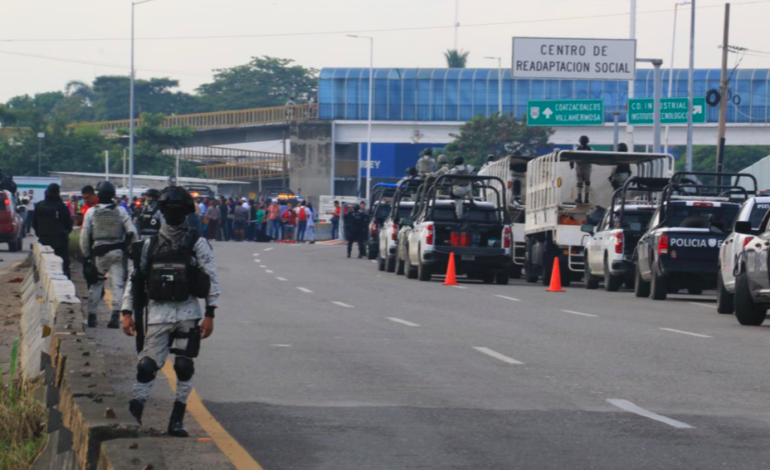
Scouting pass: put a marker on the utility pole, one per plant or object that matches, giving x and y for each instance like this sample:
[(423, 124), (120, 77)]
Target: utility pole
[(690, 88), (285, 165), (632, 35), (724, 86), (457, 20), (106, 165)]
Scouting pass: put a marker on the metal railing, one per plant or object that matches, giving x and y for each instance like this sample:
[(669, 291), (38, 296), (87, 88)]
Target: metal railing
[(249, 171), (214, 155), (223, 119)]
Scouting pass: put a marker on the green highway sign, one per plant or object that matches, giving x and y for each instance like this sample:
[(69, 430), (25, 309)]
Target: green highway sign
[(673, 111), (559, 113)]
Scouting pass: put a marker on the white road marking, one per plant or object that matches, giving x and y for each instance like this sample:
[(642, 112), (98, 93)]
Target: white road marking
[(256, 254), (268, 271), (268, 249), (374, 261), (685, 332), (459, 287), (703, 305), (630, 407), (579, 313), (282, 279), (508, 298), (257, 261), (281, 345), (342, 304), (403, 322), (497, 355), (305, 290), (262, 266)]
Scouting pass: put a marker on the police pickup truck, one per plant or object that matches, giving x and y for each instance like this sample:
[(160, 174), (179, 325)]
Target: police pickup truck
[(753, 212), (400, 212), (680, 248), (480, 237), (382, 196), (609, 250), (752, 280)]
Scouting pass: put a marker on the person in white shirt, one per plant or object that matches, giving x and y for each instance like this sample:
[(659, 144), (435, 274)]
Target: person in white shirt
[(311, 214)]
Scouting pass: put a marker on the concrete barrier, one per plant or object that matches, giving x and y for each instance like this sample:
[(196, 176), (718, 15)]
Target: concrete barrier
[(89, 424)]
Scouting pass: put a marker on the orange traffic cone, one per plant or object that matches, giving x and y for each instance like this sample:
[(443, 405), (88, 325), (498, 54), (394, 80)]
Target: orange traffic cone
[(555, 277), (451, 277)]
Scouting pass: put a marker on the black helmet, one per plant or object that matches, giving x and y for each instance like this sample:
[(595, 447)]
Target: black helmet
[(622, 147), (153, 193), (411, 171), (490, 158), (176, 204), (584, 140), (428, 152), (458, 160), (105, 191)]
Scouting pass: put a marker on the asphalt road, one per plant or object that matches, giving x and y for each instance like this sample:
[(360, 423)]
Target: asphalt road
[(8, 259), (323, 362)]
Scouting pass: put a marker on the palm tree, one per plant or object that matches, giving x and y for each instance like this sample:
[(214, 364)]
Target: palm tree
[(456, 59)]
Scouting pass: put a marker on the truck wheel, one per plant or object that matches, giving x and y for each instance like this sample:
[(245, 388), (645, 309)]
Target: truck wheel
[(515, 272), (611, 283), (566, 274), (424, 272), (370, 253), (487, 278), (591, 281), (411, 271), (399, 266), (502, 278), (659, 289), (380, 264), (641, 287), (390, 264), (695, 290), (725, 300), (747, 311)]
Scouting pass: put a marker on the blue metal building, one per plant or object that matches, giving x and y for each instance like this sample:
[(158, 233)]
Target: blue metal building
[(459, 94)]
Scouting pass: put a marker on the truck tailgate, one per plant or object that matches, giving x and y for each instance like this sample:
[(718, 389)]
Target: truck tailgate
[(690, 249)]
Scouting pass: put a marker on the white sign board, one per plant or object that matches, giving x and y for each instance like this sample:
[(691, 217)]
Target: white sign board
[(574, 59)]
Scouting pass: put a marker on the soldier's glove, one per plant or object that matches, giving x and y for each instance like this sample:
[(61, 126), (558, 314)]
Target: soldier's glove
[(210, 312)]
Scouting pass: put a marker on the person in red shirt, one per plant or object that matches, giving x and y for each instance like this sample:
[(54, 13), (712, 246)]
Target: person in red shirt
[(336, 220), (289, 219), (89, 201), (301, 221), (274, 215)]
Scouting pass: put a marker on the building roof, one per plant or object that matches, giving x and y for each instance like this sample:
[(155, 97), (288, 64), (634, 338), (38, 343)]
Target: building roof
[(182, 179)]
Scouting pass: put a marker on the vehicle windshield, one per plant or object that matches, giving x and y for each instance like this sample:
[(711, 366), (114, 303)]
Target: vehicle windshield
[(634, 220), (381, 211), (721, 217), (757, 214)]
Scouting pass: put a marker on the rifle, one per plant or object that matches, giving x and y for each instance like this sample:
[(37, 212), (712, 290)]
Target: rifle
[(139, 293)]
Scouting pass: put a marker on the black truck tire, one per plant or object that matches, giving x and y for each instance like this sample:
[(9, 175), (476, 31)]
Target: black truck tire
[(411, 271), (591, 281), (380, 264), (658, 287), (390, 264), (725, 300), (502, 278), (611, 283), (641, 287), (424, 272), (747, 311)]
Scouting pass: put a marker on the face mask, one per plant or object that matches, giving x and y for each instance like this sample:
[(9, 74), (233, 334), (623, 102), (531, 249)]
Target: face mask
[(175, 215)]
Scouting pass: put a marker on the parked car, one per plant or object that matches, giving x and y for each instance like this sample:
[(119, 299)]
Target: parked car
[(401, 209), (753, 211), (11, 223), (752, 280)]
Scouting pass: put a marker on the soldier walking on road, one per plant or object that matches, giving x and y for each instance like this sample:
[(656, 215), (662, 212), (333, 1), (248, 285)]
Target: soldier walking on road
[(356, 223), (107, 233), (175, 269), (53, 223), (150, 219)]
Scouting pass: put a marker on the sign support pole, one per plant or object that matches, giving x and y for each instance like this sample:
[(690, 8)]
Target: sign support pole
[(656, 107), (724, 86), (616, 127)]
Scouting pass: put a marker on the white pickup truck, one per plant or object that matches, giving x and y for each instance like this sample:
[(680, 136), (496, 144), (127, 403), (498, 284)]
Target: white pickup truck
[(752, 211), (553, 225), (400, 210)]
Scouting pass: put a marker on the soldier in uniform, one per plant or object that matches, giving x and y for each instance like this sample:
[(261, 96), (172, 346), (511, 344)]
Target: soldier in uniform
[(461, 189), (490, 160), (107, 233), (175, 269), (426, 164), (583, 172), (150, 219)]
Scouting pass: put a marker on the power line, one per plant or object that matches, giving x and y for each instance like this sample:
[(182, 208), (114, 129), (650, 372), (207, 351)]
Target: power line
[(384, 30), (102, 64)]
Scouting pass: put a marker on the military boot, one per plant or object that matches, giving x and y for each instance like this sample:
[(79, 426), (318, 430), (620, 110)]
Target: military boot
[(587, 198), (175, 426), (92, 320), (114, 320), (579, 199), (136, 408)]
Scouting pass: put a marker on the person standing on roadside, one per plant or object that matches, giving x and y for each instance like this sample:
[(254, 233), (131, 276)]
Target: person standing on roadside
[(104, 241), (53, 224), (212, 217), (29, 216), (289, 219), (224, 235), (311, 215), (241, 218), (89, 200), (355, 229), (301, 221), (274, 214), (336, 220)]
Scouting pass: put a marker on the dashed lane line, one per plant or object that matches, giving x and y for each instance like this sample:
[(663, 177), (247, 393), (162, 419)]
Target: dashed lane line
[(579, 313), (268, 249), (459, 287), (282, 279), (631, 408), (403, 322), (263, 266), (685, 333), (268, 271), (497, 355), (342, 304), (512, 299), (305, 290), (702, 305)]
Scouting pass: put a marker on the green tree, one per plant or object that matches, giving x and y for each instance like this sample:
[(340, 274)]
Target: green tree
[(456, 59), (499, 136), (263, 82), (111, 97)]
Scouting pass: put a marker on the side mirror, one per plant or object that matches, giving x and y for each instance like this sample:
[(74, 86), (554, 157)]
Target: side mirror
[(587, 228), (742, 227)]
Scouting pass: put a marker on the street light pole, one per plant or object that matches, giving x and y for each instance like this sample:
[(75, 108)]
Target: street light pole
[(671, 66), (690, 87), (131, 110), (369, 123), (40, 137), (499, 83)]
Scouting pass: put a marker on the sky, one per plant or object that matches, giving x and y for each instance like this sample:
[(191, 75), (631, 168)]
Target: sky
[(181, 39)]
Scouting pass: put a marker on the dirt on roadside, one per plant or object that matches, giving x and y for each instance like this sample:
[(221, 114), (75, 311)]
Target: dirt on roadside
[(10, 311)]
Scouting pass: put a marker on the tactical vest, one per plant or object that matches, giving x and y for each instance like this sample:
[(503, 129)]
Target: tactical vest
[(149, 222), (107, 225), (172, 276), (426, 165)]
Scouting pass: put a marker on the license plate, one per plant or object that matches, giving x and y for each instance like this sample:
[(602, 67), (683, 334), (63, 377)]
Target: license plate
[(468, 257)]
